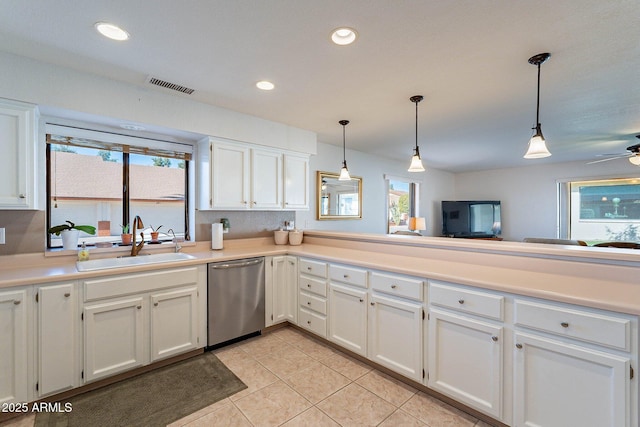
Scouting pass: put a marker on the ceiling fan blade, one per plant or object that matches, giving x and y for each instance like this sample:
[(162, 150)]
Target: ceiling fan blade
[(610, 158)]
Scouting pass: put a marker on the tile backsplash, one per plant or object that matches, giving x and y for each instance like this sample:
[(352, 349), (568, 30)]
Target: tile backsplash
[(25, 230)]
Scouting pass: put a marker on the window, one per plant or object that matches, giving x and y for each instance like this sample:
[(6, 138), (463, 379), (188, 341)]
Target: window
[(604, 210), (402, 203), (105, 184)]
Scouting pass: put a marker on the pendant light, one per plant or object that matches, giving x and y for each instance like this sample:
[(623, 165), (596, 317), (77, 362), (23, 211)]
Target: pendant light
[(537, 146), (416, 161), (344, 172)]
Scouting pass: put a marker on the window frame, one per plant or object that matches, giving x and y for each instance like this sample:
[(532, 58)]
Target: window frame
[(157, 145), (414, 195), (563, 194)]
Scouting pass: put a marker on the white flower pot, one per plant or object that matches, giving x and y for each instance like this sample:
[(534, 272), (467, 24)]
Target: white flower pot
[(69, 239)]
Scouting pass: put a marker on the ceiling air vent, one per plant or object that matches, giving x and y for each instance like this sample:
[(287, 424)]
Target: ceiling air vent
[(169, 85)]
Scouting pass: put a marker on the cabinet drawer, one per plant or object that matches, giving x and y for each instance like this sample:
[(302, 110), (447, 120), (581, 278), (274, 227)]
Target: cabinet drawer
[(127, 284), (572, 322), (317, 286), (316, 323), (350, 275), (313, 302), (466, 300), (397, 285), (315, 268)]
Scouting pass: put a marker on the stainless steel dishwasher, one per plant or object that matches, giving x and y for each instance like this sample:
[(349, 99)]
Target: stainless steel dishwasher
[(235, 301)]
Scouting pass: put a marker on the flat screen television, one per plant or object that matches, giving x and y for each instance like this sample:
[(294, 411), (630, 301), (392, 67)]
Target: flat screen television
[(471, 218)]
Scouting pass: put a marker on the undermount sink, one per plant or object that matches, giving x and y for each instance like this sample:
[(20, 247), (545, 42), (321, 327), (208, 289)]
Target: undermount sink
[(107, 263)]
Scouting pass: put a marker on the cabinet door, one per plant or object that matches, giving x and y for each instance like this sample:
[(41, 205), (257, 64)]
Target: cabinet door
[(174, 322), (348, 317), (284, 290), (296, 182), (559, 385), (57, 343), (13, 347), (465, 360), (266, 179), (229, 176), (291, 292), (17, 163), (395, 335), (113, 337)]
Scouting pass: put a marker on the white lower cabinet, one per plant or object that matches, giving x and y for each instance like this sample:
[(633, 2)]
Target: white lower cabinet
[(13, 346), (174, 322), (132, 320), (559, 385), (465, 360), (113, 337), (58, 340), (281, 290), (348, 317), (466, 350), (312, 296), (395, 335), (574, 366)]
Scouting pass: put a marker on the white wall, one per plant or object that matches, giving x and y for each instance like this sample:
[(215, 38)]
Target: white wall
[(529, 194), (39, 83), (434, 185)]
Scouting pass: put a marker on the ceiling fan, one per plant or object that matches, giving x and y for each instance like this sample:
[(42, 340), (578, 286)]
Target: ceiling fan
[(633, 155)]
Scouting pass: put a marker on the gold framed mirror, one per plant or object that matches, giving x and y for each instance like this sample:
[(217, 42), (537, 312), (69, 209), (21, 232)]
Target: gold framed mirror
[(337, 199)]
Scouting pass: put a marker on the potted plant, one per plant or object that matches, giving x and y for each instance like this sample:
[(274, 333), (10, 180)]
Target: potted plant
[(154, 233), (125, 236), (69, 233)]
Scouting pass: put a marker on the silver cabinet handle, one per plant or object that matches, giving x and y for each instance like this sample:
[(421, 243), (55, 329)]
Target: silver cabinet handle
[(361, 300), (155, 304), (393, 286), (308, 302), (346, 276), (308, 322), (16, 302), (309, 268), (139, 307), (308, 285), (518, 346), (373, 303), (67, 295), (564, 324), (460, 301), (22, 196), (494, 338)]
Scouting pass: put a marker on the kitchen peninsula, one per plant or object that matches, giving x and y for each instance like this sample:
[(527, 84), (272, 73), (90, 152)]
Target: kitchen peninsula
[(498, 316)]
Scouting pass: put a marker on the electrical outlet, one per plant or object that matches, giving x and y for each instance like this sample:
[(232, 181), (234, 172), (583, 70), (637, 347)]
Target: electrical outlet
[(2, 242)]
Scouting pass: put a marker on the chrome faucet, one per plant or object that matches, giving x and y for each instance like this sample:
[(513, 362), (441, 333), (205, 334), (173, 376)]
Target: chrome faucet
[(137, 223), (175, 240)]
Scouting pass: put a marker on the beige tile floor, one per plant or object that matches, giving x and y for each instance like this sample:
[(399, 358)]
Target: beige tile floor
[(294, 380)]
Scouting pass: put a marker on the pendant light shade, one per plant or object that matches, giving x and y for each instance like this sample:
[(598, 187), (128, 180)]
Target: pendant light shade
[(344, 172), (416, 161), (537, 145)]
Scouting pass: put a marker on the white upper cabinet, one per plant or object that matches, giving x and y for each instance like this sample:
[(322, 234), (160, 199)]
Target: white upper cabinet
[(266, 179), (229, 176), (296, 181), (238, 176), (18, 161)]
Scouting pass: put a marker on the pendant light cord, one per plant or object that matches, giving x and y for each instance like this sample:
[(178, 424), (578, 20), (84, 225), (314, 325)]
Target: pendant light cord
[(538, 101), (344, 123), (417, 124)]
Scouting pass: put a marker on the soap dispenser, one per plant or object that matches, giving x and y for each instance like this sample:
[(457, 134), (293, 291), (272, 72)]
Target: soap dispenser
[(83, 253)]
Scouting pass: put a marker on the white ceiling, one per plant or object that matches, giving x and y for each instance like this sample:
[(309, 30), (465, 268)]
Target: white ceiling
[(468, 58)]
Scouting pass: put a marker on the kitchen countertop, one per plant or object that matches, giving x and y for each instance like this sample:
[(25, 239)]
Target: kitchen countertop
[(556, 275)]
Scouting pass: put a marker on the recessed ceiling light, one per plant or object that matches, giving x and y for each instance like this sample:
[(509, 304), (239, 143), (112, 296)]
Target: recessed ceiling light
[(111, 31), (265, 85), (343, 36)]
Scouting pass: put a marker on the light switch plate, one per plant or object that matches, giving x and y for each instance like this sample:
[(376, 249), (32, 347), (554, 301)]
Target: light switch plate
[(2, 236)]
